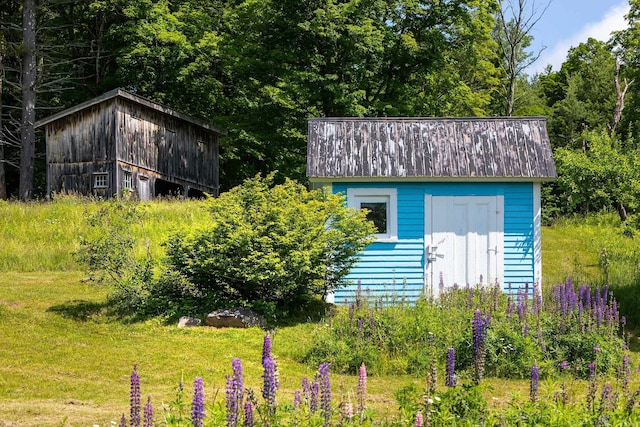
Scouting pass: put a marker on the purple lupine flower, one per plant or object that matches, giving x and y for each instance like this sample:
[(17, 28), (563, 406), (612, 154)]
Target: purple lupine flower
[(592, 370), (269, 385), (297, 398), (148, 414), (607, 398), (479, 328), (533, 384), (313, 401), (564, 365), (325, 392), (231, 403), (625, 372), (362, 387), (236, 366), (197, 405), (134, 414), (306, 389), (450, 380), (419, 421), (266, 346), (123, 421), (234, 392), (248, 414)]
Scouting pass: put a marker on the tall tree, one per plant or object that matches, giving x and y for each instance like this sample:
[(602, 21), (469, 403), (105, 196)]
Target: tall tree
[(28, 88), (515, 21), (588, 98)]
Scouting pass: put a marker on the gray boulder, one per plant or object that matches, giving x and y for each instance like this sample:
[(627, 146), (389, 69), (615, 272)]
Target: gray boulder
[(187, 322), (234, 318)]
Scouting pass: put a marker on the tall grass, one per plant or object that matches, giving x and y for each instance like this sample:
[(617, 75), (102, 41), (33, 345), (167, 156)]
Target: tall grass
[(596, 250), (42, 236)]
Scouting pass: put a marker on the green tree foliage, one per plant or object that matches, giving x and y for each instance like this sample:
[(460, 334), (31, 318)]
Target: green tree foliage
[(278, 244), (603, 176), (587, 96)]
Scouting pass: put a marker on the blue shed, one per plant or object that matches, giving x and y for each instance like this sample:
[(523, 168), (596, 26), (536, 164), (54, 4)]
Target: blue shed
[(456, 201)]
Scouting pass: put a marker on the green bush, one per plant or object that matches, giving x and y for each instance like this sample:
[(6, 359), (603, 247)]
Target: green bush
[(271, 243)]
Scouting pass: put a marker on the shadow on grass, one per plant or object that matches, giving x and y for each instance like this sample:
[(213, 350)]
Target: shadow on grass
[(79, 310), (83, 311)]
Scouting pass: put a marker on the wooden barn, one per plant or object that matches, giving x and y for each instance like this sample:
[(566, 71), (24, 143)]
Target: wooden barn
[(120, 142), (456, 201)]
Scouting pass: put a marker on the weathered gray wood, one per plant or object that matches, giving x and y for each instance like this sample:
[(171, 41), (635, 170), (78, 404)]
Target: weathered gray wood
[(465, 148), (119, 132)]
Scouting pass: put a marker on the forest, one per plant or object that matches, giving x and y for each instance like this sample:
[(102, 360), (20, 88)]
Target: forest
[(261, 68)]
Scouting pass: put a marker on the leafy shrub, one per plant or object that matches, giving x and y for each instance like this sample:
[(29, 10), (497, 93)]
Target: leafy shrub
[(109, 253), (271, 243)]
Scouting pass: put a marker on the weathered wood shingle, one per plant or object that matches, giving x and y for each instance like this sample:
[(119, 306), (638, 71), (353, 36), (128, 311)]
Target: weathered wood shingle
[(460, 148)]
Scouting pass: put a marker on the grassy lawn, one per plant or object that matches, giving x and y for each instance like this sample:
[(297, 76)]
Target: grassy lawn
[(64, 361)]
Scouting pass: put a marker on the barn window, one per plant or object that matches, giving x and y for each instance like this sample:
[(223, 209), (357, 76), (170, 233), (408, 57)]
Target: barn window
[(126, 180), (381, 205), (101, 180)]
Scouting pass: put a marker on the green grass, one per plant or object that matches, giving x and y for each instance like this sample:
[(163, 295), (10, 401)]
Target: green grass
[(65, 361)]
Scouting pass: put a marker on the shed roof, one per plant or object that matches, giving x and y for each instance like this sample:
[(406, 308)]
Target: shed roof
[(430, 148), (131, 97)]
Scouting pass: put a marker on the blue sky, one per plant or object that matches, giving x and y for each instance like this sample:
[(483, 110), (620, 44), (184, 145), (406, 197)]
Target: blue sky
[(567, 23)]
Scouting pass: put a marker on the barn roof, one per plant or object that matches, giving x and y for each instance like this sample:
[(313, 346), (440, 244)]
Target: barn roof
[(138, 100), (494, 148)]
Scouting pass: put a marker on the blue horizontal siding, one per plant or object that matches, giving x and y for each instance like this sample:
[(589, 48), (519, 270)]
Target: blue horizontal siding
[(397, 268)]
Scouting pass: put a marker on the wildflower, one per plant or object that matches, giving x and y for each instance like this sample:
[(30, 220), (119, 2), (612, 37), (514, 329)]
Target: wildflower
[(347, 410), (134, 415), (325, 392), (362, 387), (248, 414), (564, 365), (592, 387), (625, 372), (592, 370), (269, 385), (148, 414), (197, 405), (479, 329), (123, 421), (266, 347), (297, 398), (450, 380), (306, 389), (533, 384), (314, 392), (419, 421), (607, 398), (234, 393)]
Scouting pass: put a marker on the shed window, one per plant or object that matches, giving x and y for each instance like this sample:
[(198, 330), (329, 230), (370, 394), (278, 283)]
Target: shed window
[(381, 205), (126, 180), (101, 180)]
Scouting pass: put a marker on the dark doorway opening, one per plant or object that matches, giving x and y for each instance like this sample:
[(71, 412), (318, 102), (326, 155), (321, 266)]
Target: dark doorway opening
[(168, 189)]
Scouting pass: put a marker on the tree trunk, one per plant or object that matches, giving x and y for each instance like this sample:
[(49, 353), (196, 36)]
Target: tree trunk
[(27, 133), (620, 94), (3, 174)]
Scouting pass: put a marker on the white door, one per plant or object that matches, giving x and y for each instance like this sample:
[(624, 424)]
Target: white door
[(144, 192), (464, 241)]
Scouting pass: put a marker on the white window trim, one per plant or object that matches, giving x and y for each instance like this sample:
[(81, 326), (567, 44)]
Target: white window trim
[(96, 175), (356, 196), (127, 180)]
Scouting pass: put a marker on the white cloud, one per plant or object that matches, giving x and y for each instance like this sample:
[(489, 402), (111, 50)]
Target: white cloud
[(612, 20)]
